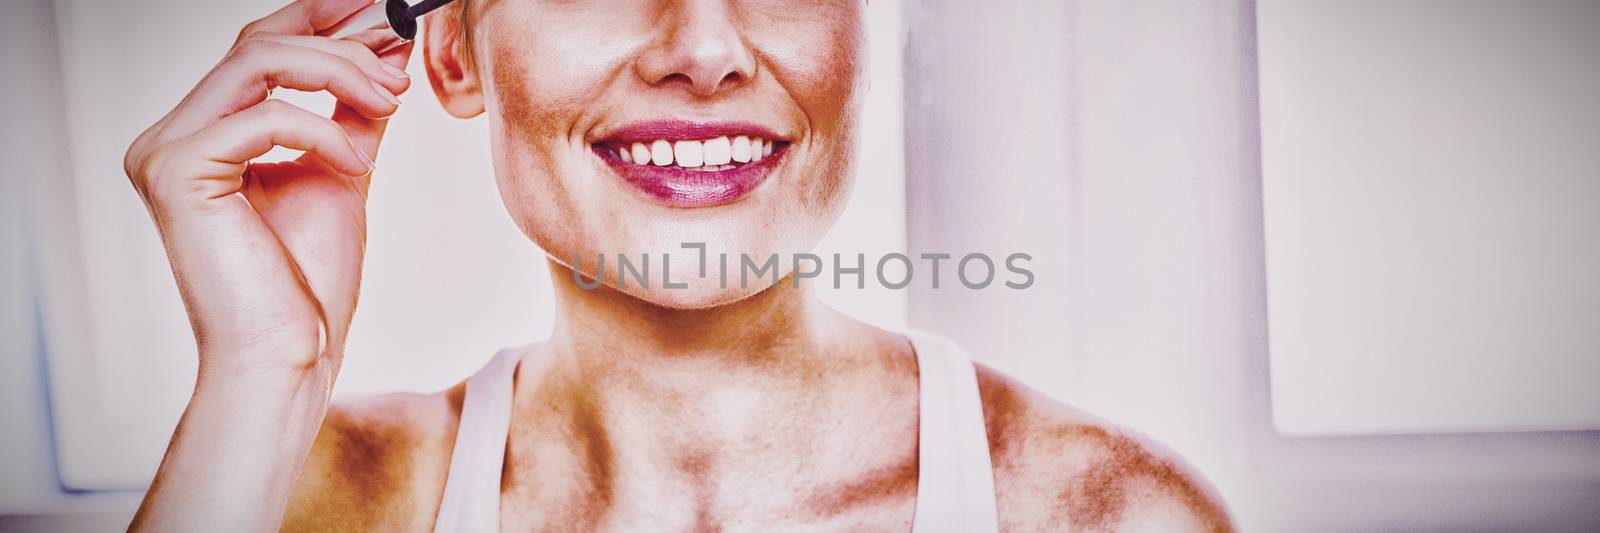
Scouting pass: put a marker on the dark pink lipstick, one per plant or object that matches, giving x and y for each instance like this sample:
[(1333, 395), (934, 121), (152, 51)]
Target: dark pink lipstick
[(692, 164)]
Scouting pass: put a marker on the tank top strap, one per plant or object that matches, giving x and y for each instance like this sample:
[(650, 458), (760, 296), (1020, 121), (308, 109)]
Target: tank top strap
[(471, 500), (955, 481)]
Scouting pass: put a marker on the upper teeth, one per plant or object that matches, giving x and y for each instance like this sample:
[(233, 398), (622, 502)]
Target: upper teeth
[(709, 154)]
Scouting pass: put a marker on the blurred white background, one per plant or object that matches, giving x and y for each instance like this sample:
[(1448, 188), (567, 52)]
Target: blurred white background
[(1432, 189), (1120, 143)]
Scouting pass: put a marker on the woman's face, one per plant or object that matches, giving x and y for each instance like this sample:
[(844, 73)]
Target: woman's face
[(634, 127)]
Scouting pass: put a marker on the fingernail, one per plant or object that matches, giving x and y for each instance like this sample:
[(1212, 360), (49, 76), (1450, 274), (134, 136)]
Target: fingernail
[(394, 71), (365, 159), (385, 94)]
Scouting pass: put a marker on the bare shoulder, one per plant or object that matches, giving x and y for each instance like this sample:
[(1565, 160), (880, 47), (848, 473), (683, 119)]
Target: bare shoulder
[(1057, 467), (378, 463)]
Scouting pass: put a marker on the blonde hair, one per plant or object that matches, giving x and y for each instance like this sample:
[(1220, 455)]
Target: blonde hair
[(460, 14)]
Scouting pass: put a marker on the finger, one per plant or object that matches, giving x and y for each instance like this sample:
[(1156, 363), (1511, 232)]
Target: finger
[(378, 40), (366, 133), (304, 17), (248, 134), (248, 75), (394, 56), (392, 78)]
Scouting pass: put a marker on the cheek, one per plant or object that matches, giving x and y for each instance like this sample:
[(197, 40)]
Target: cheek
[(527, 147), (546, 64), (537, 90), (539, 87), (826, 73)]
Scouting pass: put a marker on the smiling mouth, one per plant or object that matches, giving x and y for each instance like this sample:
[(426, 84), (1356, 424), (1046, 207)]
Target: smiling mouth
[(710, 155), (684, 164)]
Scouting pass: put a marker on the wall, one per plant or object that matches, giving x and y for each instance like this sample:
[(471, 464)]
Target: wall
[(1430, 180), (32, 147), (1118, 142)]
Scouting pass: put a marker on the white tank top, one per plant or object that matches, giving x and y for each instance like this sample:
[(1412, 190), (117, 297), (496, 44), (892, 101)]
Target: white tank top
[(955, 482)]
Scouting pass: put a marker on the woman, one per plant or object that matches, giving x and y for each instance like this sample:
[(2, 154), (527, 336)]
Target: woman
[(618, 128)]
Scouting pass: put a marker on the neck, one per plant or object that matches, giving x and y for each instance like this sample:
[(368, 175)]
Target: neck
[(614, 331), (671, 399), (715, 369)]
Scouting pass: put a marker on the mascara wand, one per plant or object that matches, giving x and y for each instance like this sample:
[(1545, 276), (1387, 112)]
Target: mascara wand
[(395, 15)]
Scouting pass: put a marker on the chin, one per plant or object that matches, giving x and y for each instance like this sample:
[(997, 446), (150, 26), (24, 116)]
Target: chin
[(664, 274), (700, 294)]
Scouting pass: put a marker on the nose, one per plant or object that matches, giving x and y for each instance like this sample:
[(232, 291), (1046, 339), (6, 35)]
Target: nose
[(700, 49)]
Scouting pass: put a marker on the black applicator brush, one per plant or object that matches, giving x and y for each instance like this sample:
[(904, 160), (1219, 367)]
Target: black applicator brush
[(395, 15)]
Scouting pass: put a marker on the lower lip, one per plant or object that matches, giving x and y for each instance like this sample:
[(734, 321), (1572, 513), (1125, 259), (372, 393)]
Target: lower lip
[(691, 188)]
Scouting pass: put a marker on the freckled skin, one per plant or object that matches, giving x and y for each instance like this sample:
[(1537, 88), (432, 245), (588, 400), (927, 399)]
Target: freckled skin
[(379, 465), (705, 409), (1059, 468), (799, 72)]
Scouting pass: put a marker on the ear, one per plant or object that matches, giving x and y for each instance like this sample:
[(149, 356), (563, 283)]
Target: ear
[(454, 81)]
